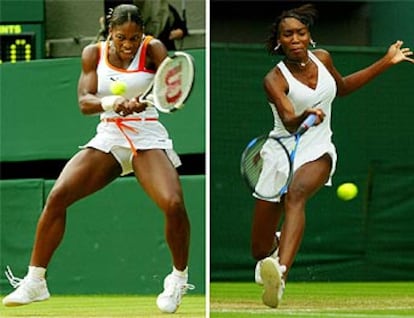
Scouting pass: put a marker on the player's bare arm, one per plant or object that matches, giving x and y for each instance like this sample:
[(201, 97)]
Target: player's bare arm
[(88, 81), (354, 81)]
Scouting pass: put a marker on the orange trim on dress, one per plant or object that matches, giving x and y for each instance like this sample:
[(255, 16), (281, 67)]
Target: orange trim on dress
[(142, 58), (118, 121)]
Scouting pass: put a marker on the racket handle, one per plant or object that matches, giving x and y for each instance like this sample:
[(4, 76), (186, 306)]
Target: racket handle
[(149, 99), (307, 123)]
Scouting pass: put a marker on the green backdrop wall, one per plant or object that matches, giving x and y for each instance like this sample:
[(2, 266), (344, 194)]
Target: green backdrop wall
[(112, 245), (40, 117), (369, 238), (383, 12)]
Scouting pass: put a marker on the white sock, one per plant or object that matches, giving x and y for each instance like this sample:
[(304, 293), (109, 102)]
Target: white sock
[(182, 275), (36, 273)]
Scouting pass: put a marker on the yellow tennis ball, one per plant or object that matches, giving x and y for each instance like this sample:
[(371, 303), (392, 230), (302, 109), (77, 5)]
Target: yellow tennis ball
[(118, 88), (347, 191)]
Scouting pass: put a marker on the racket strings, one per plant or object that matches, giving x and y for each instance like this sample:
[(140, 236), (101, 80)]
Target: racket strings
[(253, 163), (269, 174), (173, 82), (266, 167)]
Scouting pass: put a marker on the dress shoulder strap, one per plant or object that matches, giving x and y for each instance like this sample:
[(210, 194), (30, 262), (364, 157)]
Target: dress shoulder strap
[(143, 54)]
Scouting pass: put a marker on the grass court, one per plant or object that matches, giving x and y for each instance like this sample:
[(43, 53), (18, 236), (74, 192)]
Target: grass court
[(350, 300), (106, 306), (240, 300)]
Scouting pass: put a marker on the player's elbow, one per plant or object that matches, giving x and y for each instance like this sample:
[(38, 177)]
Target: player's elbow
[(84, 106), (343, 88), (342, 92), (290, 123)]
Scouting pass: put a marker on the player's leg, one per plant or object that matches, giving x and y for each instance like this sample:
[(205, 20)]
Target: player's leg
[(265, 250), (160, 180), (88, 171), (273, 270), (85, 173), (266, 219), (306, 181)]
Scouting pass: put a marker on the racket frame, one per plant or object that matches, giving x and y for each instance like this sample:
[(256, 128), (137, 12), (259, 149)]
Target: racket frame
[(149, 97), (306, 124), (289, 156)]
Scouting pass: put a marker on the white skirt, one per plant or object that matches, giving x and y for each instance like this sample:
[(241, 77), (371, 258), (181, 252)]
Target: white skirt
[(141, 135), (308, 150)]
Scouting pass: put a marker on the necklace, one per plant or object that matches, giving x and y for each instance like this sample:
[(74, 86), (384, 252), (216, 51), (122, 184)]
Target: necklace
[(301, 64)]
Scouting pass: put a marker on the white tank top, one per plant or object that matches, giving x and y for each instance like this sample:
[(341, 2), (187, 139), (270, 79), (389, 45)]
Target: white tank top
[(317, 140), (302, 97), (136, 77)]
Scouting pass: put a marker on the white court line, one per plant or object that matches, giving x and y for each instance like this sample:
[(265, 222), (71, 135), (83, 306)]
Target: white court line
[(313, 313)]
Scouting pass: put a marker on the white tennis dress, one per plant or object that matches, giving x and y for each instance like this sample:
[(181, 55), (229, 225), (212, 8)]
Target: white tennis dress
[(119, 135), (316, 142)]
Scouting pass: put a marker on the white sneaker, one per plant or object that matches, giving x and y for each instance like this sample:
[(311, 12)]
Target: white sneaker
[(27, 290), (273, 284), (275, 255), (174, 289), (257, 276)]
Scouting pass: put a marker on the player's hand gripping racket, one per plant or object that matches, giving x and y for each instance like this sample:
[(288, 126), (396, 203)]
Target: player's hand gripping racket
[(172, 83), (267, 162)]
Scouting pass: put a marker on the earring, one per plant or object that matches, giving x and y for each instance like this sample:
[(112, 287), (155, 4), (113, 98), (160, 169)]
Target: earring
[(312, 43), (277, 47)]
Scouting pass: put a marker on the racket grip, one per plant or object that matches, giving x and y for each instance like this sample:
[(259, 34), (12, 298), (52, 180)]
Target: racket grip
[(149, 99), (307, 123)]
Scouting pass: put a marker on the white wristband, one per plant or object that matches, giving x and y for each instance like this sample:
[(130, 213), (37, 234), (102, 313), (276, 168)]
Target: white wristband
[(108, 102)]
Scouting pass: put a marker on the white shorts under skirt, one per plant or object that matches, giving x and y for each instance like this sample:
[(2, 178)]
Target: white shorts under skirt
[(147, 135)]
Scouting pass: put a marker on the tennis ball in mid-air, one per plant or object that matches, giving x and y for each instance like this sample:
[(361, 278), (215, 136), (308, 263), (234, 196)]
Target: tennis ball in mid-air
[(347, 191), (118, 87)]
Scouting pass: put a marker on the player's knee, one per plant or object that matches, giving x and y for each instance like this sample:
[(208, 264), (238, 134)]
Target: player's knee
[(173, 205), (297, 194), (58, 197)]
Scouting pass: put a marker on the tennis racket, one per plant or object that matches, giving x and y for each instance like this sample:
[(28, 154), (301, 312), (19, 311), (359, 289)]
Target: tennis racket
[(172, 83), (267, 162)]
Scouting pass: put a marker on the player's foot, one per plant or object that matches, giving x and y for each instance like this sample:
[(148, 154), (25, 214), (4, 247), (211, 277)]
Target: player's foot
[(275, 255), (273, 284), (27, 290), (174, 289)]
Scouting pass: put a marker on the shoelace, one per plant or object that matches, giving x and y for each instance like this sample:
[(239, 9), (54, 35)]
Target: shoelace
[(14, 281), (186, 287), (170, 291)]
